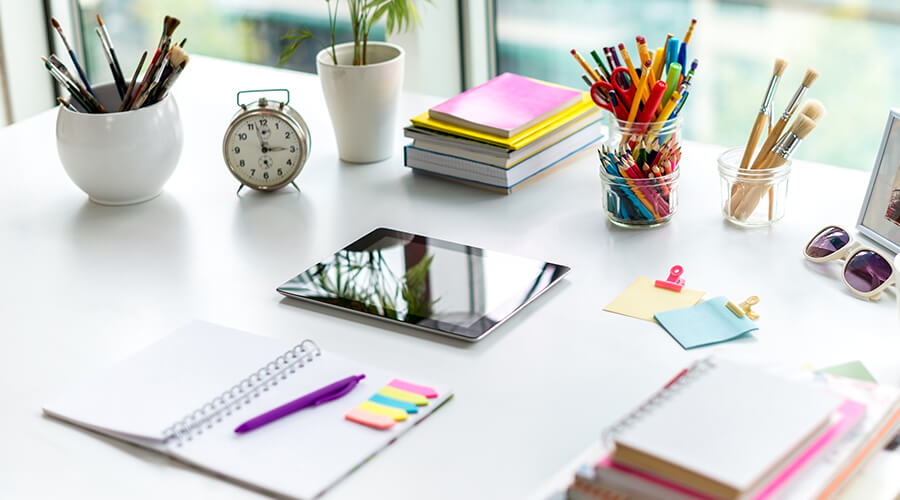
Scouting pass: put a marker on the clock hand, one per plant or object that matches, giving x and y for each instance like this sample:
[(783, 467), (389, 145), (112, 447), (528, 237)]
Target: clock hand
[(279, 148)]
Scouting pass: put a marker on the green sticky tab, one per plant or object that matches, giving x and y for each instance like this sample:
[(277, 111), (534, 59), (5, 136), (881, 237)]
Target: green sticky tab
[(853, 369)]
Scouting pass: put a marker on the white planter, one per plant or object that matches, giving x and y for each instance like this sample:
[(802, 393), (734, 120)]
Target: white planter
[(120, 158), (363, 100)]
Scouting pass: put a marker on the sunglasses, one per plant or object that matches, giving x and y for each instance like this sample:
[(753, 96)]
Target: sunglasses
[(866, 272)]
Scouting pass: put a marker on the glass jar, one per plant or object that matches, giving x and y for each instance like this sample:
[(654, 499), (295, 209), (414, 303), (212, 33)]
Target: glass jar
[(639, 172), (752, 198)]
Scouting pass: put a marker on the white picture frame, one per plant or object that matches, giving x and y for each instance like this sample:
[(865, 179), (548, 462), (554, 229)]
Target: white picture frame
[(879, 217)]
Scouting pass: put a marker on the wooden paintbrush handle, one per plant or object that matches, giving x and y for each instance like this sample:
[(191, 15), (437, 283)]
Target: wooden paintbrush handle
[(755, 134), (766, 150)]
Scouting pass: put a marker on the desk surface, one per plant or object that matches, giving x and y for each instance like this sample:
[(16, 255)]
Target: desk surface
[(86, 285)]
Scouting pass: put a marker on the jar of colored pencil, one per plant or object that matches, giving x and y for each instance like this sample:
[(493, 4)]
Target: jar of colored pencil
[(640, 171), (752, 197)]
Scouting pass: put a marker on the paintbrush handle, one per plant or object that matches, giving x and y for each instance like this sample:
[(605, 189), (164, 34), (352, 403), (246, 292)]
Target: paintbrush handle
[(755, 134), (766, 150), (81, 74)]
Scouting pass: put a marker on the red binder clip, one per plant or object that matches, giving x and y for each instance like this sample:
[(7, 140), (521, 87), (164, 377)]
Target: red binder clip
[(674, 282)]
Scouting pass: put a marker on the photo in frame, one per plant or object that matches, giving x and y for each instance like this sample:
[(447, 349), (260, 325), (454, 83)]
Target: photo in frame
[(879, 218)]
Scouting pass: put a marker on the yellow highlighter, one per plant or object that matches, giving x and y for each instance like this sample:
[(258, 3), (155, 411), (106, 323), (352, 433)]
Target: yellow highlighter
[(409, 397), (379, 409)]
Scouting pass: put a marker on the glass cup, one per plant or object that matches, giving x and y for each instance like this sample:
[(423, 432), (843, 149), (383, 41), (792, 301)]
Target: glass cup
[(752, 198), (640, 171)]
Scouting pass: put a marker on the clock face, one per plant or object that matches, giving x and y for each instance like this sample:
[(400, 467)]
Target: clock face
[(264, 150)]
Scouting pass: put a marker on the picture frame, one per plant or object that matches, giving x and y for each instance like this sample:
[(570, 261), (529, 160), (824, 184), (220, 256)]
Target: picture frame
[(879, 217)]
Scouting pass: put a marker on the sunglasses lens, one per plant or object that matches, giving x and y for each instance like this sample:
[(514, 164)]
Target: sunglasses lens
[(830, 240), (866, 271)]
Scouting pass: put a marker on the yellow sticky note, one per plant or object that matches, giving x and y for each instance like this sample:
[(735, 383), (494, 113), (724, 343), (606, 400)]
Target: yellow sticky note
[(642, 300), (379, 409), (409, 397)]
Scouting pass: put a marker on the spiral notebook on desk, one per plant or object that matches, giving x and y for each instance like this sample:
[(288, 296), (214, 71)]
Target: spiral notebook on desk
[(184, 396)]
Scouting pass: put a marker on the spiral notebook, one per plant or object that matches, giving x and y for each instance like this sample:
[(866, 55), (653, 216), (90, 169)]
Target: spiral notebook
[(723, 428), (184, 395)]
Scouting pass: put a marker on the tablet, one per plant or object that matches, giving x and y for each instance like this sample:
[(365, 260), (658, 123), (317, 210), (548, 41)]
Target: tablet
[(426, 283)]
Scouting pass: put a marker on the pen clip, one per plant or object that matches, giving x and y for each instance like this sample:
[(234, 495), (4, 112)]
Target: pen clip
[(337, 395)]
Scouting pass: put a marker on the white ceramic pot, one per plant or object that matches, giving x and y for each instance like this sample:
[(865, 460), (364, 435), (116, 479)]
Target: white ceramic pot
[(120, 158), (363, 100)]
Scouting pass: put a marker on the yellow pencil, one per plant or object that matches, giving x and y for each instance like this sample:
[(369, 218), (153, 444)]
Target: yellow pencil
[(640, 95), (631, 72), (590, 71), (690, 31), (669, 107)]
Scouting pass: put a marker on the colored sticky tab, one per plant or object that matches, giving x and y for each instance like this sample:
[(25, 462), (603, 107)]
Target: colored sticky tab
[(409, 397), (369, 419), (853, 369), (642, 300), (395, 403), (706, 323), (379, 409), (428, 392)]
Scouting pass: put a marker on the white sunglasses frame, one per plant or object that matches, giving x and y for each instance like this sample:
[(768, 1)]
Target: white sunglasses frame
[(846, 253)]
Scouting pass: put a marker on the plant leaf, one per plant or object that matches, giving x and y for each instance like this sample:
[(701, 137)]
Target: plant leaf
[(295, 37)]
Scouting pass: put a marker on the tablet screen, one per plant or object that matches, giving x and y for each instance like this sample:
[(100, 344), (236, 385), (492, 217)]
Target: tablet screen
[(433, 284)]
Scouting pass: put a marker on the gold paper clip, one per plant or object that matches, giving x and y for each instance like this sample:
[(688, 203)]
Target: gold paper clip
[(747, 306)]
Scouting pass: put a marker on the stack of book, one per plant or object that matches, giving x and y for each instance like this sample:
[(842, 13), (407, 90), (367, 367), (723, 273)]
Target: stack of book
[(502, 133), (728, 430)]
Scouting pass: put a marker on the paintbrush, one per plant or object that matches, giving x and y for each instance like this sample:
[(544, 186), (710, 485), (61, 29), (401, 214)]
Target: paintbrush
[(66, 104), (178, 61), (81, 88), (776, 131), (173, 60), (764, 112), (68, 85), (169, 25), (110, 53), (128, 91), (80, 71), (782, 151)]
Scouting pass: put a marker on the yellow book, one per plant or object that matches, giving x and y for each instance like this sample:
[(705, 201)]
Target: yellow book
[(586, 105)]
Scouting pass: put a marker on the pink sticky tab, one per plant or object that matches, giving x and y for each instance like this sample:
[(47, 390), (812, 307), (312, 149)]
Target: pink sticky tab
[(369, 419), (428, 392)]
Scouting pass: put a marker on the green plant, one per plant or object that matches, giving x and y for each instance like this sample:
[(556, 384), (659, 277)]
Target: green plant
[(398, 15)]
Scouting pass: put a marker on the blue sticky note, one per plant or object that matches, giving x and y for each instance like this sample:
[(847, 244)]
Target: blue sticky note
[(396, 403), (708, 322)]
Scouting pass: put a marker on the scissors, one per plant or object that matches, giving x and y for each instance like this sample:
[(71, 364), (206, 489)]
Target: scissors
[(620, 83)]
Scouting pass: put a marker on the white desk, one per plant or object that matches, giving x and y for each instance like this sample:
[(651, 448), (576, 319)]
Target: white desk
[(85, 285)]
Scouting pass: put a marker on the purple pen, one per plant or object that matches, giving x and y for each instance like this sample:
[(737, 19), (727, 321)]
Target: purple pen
[(330, 392)]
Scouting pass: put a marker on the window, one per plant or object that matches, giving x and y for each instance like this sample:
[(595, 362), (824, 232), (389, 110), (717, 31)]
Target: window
[(852, 46), (243, 30)]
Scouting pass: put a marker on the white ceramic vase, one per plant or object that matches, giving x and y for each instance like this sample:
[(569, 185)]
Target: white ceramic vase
[(120, 158), (363, 100)]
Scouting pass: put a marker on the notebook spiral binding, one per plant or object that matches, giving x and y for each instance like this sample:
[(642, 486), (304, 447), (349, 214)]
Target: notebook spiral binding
[(241, 393), (696, 370)]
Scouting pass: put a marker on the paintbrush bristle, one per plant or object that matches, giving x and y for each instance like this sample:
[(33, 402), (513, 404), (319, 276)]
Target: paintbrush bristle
[(780, 66), (55, 24), (177, 55), (814, 109), (170, 24), (99, 20), (802, 126), (810, 77)]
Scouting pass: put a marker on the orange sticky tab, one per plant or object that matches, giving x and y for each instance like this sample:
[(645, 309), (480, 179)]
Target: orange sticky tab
[(369, 419)]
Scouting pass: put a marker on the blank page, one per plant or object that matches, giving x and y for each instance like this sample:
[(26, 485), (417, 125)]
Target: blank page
[(731, 423), (158, 386)]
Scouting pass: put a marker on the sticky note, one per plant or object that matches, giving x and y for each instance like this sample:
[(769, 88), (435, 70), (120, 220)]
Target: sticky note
[(395, 403), (642, 300), (379, 409), (709, 322), (428, 392), (852, 369), (369, 419), (409, 397)]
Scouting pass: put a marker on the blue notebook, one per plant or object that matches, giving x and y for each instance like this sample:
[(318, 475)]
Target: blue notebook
[(706, 323)]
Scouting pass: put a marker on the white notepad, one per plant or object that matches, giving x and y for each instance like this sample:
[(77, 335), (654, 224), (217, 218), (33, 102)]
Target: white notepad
[(143, 398), (730, 422)]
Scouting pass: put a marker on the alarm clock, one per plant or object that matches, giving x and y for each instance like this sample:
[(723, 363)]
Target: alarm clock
[(266, 144)]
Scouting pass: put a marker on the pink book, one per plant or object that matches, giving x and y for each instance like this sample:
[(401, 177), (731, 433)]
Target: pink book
[(506, 105), (641, 483)]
